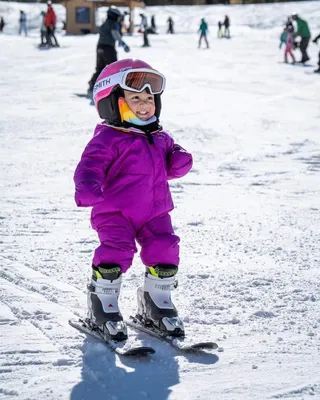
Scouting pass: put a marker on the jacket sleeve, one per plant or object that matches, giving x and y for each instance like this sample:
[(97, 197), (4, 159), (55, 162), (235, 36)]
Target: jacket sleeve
[(179, 161), (91, 171)]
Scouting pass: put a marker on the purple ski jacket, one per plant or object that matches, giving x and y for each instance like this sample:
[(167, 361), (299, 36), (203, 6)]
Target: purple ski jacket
[(121, 172)]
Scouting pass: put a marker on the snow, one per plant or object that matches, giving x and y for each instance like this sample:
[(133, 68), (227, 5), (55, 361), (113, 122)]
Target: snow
[(247, 214)]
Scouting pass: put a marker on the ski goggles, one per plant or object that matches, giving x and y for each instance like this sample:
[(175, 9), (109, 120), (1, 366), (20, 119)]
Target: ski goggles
[(134, 80)]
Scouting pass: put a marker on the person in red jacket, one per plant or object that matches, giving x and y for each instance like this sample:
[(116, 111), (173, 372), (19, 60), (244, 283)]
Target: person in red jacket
[(50, 23)]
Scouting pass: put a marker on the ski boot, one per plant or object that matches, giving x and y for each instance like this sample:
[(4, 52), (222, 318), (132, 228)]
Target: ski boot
[(103, 310), (155, 308)]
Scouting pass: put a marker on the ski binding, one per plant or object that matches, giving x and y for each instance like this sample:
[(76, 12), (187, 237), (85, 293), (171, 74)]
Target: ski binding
[(182, 343), (123, 348)]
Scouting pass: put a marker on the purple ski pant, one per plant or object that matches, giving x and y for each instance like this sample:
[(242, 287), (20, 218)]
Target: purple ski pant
[(117, 235)]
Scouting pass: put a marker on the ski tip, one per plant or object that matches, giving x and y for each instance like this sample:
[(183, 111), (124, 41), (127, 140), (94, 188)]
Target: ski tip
[(206, 345), (202, 346)]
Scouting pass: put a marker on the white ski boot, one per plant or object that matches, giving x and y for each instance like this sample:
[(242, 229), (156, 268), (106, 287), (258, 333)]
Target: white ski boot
[(103, 309), (155, 307)]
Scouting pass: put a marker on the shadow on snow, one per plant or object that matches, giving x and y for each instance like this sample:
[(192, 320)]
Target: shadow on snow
[(109, 376)]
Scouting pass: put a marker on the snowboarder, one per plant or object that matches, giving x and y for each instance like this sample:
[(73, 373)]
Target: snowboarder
[(123, 174), (315, 40), (23, 23), (203, 29), (304, 32), (50, 21), (106, 52)]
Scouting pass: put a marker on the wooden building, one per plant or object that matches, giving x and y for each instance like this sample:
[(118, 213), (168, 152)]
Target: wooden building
[(257, 1), (81, 14), (207, 2)]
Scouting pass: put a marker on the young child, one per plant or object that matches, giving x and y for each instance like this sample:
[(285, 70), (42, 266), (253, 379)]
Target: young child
[(283, 37), (123, 174), (289, 45)]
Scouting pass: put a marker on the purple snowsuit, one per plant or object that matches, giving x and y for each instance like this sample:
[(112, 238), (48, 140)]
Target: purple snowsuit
[(125, 179)]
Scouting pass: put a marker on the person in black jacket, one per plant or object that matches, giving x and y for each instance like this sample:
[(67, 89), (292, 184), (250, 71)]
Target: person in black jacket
[(226, 24), (2, 24), (315, 40), (170, 25), (106, 52)]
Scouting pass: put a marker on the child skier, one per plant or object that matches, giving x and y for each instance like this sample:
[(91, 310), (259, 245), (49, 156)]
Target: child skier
[(123, 174), (289, 45), (283, 37)]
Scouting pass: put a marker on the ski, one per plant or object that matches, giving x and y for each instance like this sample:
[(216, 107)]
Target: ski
[(180, 343), (84, 95), (123, 348)]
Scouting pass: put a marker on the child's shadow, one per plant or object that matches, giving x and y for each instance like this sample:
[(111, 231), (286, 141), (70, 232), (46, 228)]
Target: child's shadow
[(107, 376)]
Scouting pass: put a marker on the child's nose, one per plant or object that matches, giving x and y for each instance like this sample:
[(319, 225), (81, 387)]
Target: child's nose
[(144, 101)]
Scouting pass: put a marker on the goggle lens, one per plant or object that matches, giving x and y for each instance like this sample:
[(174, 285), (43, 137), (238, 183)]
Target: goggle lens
[(138, 80)]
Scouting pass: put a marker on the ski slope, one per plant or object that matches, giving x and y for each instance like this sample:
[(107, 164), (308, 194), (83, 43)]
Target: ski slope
[(247, 214)]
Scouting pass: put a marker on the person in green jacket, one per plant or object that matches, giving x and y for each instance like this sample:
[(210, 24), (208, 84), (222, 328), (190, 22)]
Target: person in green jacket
[(304, 32), (203, 29)]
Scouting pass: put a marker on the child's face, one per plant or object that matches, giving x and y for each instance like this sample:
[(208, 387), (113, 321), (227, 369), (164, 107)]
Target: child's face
[(141, 104)]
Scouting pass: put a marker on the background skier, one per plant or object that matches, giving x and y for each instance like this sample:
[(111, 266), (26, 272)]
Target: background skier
[(43, 29), (144, 30), (315, 40), (203, 29), (153, 28), (304, 32), (2, 24), (106, 52), (23, 23), (50, 21), (123, 174), (220, 35), (289, 45), (226, 24), (170, 25)]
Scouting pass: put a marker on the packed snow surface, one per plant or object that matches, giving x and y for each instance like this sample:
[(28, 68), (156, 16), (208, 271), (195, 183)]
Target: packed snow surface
[(247, 214)]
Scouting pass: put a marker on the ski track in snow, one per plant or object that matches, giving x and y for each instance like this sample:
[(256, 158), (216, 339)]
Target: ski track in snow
[(247, 214)]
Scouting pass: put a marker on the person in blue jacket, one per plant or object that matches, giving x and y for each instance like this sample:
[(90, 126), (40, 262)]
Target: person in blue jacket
[(203, 29)]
